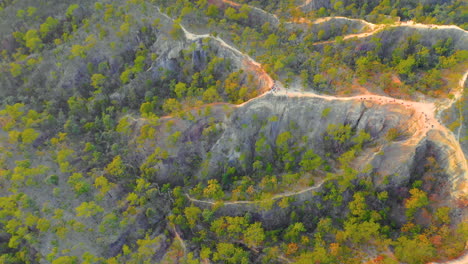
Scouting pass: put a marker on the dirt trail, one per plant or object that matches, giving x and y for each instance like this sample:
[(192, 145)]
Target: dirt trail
[(275, 197), (305, 3), (457, 97), (422, 111), (375, 28), (425, 113), (303, 20), (247, 59), (425, 116), (179, 238), (234, 4), (411, 23)]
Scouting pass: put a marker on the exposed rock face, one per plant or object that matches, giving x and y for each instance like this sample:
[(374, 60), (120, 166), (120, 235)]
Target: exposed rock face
[(302, 115), (395, 164), (238, 132), (428, 36), (450, 158), (316, 5)]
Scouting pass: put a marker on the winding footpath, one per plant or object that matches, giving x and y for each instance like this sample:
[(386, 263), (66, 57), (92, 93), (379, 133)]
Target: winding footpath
[(458, 96), (237, 5), (375, 28), (275, 197), (179, 238), (426, 114), (307, 2), (249, 61)]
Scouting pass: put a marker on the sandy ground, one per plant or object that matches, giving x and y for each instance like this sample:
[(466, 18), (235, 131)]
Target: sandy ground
[(250, 63)]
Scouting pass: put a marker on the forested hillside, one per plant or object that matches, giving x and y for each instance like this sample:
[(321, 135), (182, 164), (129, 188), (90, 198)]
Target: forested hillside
[(216, 131)]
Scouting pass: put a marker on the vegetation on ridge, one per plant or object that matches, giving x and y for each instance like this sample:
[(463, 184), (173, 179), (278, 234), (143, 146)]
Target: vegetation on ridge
[(115, 132)]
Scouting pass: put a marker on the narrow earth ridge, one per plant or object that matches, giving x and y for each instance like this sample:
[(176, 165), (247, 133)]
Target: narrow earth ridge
[(426, 113)]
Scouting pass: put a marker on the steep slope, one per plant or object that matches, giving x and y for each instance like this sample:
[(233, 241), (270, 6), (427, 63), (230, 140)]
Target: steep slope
[(215, 131)]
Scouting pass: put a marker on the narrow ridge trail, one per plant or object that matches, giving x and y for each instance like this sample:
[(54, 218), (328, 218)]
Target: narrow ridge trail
[(375, 28), (458, 96), (306, 2), (179, 238), (275, 197), (248, 60), (258, 67), (426, 114), (234, 4)]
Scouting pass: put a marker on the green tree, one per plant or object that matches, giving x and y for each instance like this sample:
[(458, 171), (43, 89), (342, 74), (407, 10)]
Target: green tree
[(358, 207), (271, 42), (212, 11), (180, 89), (103, 185), (31, 11), (15, 69), (443, 215), (70, 10), (50, 25), (192, 214), (116, 167), (283, 141), (78, 183), (361, 138), (294, 231), (146, 109), (88, 209), (78, 51), (228, 253), (321, 34), (417, 250), (65, 260), (213, 190), (126, 75), (310, 161), (360, 232), (98, 80), (124, 29), (406, 66), (29, 135), (32, 40), (417, 200), (340, 133), (139, 64), (230, 13), (254, 235), (171, 105), (211, 95)]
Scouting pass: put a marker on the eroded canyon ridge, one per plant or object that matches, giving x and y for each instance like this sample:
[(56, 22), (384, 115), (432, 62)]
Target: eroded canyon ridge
[(215, 131)]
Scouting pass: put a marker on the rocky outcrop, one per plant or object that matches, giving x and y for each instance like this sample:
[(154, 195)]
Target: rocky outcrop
[(316, 5), (270, 115)]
